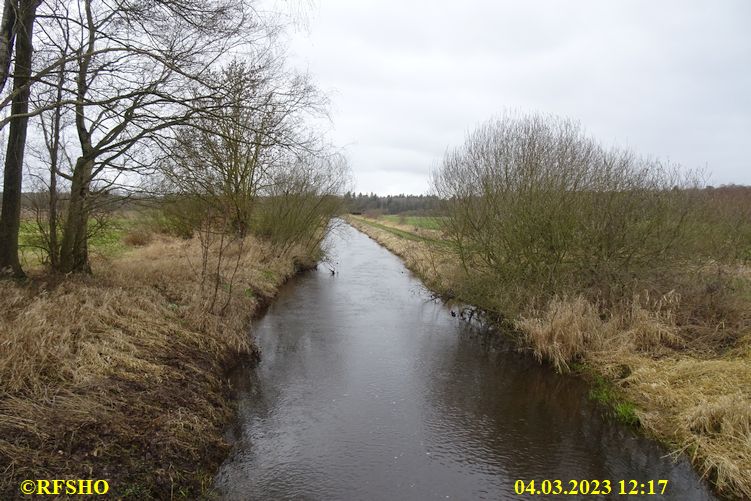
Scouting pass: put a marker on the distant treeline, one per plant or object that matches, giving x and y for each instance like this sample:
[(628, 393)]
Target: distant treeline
[(396, 204), (360, 202)]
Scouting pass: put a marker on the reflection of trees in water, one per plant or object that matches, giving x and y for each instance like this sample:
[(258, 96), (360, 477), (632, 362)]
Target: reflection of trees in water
[(497, 409), (276, 415)]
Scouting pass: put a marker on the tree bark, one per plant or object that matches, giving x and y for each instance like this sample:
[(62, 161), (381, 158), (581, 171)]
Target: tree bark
[(74, 255), (10, 220), (54, 150), (74, 248), (7, 35)]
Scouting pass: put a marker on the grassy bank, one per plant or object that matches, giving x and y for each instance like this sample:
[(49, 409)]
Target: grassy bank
[(678, 366), (121, 375)]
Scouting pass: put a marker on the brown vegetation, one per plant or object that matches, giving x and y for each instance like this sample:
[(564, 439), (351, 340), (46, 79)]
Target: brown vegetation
[(121, 376), (625, 263)]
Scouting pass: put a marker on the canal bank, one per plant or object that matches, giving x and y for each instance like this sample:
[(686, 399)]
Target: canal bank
[(691, 395), (121, 376)]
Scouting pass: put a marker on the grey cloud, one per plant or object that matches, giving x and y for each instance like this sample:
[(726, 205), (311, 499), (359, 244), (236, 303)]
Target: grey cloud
[(666, 78)]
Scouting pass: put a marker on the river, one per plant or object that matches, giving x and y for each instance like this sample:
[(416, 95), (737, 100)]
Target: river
[(369, 390)]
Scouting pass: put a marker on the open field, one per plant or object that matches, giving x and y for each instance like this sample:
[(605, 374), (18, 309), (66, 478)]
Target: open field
[(406, 231), (686, 380), (423, 222), (121, 376), (106, 240)]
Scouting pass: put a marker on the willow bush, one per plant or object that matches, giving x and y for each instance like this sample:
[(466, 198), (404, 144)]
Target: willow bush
[(536, 208), (297, 206)]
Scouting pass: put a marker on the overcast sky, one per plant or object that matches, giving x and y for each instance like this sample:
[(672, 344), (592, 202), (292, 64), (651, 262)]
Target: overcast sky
[(408, 79)]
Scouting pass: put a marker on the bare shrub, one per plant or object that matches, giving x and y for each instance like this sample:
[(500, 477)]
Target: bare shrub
[(722, 229), (296, 208), (256, 166), (138, 237), (533, 200)]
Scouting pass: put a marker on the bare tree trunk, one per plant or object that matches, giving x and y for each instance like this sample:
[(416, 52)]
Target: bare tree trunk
[(74, 248), (74, 255), (7, 34), (52, 213), (10, 220), (54, 148)]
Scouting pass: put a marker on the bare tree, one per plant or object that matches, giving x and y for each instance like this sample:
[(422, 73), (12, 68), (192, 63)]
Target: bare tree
[(227, 155), (137, 69), (7, 37), (53, 155), (297, 207), (10, 219), (129, 72)]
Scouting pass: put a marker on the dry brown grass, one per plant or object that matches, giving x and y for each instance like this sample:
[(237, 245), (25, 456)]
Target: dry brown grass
[(121, 376), (564, 332), (434, 265), (702, 407), (684, 362), (571, 329), (138, 237), (697, 404)]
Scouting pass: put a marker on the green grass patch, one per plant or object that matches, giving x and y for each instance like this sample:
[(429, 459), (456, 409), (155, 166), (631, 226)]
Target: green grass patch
[(108, 239), (269, 275), (105, 239), (403, 234), (625, 412), (423, 222), (606, 394), (399, 233)]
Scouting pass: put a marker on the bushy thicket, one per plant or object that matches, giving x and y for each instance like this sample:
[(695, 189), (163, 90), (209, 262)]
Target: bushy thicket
[(255, 166), (536, 208), (292, 210), (297, 207)]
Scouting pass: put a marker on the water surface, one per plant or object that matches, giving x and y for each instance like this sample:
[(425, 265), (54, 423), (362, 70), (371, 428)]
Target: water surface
[(369, 390)]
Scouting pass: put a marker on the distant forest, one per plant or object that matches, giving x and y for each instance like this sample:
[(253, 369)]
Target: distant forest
[(373, 204), (356, 203)]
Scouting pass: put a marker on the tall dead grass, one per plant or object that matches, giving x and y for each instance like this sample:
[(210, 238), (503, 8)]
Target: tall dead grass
[(121, 376), (564, 332), (569, 329), (693, 400), (702, 407)]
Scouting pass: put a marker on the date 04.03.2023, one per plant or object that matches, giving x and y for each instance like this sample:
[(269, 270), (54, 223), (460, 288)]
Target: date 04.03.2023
[(589, 487)]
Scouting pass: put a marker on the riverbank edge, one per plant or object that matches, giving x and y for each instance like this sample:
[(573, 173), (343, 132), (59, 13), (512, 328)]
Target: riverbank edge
[(165, 435), (603, 389), (614, 404)]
